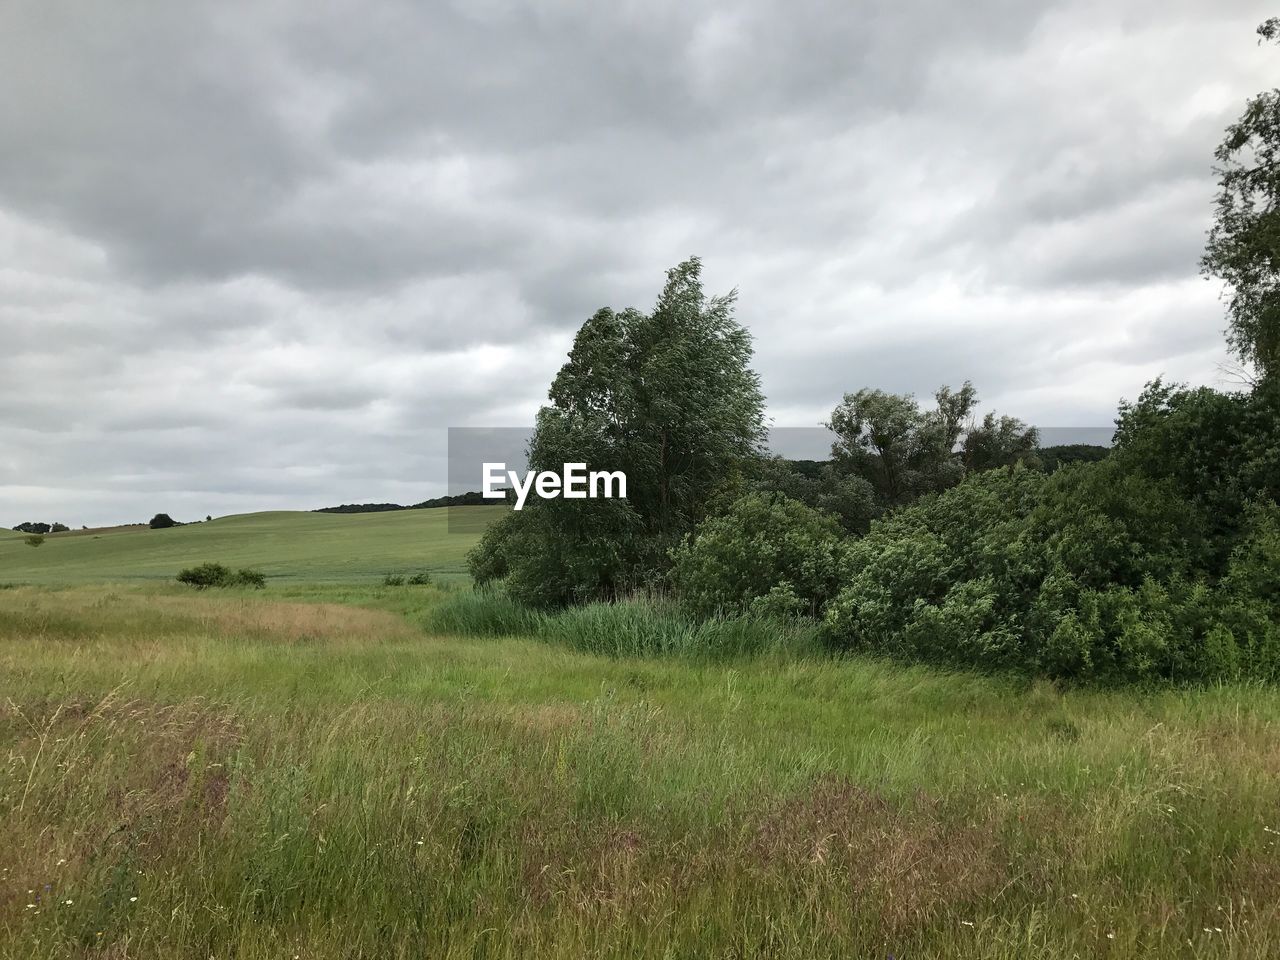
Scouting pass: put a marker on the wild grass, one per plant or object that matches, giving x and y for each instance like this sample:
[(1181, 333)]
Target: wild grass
[(186, 776), (635, 628)]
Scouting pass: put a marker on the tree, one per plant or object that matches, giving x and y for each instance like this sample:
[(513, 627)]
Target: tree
[(667, 397), (1244, 242), (59, 528), (162, 521), (998, 442), (901, 450)]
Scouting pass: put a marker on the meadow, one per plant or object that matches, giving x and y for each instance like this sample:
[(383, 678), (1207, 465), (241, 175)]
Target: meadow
[(348, 769), (325, 771), (285, 545)]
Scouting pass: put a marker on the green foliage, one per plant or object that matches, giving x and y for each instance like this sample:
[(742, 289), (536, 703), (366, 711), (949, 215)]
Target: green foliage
[(162, 521), (851, 499), (482, 613), (208, 575), (905, 452), (1052, 458), (393, 580), (34, 539), (1244, 242), (767, 554), (1099, 572), (629, 628), (666, 397)]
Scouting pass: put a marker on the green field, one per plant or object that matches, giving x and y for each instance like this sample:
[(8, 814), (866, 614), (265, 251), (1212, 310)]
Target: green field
[(291, 546), (315, 771)]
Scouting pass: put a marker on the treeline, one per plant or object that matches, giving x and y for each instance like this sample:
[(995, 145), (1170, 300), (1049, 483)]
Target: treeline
[(935, 532), (41, 528), (472, 498)]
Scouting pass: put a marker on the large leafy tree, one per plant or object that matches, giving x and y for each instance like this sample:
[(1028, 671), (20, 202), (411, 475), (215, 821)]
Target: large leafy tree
[(900, 449), (667, 397), (1244, 242)]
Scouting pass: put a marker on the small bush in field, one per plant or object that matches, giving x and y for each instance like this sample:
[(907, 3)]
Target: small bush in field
[(393, 580), (244, 577), (218, 575), (419, 580), (35, 540)]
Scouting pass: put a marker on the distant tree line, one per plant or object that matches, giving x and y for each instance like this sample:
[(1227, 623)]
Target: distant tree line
[(472, 498), (41, 528)]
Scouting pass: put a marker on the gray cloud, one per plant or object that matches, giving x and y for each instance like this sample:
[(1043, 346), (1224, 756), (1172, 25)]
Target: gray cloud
[(259, 256)]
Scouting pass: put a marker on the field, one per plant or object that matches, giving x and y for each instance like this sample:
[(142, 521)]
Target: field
[(307, 772), (284, 545)]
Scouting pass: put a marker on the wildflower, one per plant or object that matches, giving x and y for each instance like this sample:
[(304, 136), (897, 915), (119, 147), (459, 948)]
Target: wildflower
[(1111, 936), (67, 902), (133, 899)]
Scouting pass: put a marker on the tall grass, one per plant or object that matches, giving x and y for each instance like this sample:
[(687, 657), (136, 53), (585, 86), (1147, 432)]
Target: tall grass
[(633, 628), (185, 776)]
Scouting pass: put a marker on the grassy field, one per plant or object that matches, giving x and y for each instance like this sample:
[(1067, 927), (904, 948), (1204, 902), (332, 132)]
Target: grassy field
[(306, 772), (284, 545)]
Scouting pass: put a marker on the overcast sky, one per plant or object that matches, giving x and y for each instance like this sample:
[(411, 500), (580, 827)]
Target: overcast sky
[(261, 255)]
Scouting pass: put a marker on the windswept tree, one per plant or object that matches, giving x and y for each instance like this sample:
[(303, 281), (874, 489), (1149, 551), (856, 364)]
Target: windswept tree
[(1244, 242), (667, 397), (900, 449), (905, 451)]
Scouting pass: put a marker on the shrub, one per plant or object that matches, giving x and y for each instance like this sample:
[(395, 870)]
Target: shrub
[(767, 554), (58, 528), (245, 577), (217, 575), (393, 580), (34, 540), (205, 575), (419, 580), (162, 521)]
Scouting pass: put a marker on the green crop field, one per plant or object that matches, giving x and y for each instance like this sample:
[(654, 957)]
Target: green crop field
[(284, 545)]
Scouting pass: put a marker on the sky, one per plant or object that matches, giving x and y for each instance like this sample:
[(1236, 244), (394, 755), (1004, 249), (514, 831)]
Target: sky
[(261, 255)]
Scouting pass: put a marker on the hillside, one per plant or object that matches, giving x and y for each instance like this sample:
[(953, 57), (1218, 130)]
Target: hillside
[(283, 545)]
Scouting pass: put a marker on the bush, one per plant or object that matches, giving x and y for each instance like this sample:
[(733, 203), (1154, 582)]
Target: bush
[(162, 521), (34, 540), (1097, 573), (393, 580), (208, 575), (419, 580), (245, 577), (768, 554)]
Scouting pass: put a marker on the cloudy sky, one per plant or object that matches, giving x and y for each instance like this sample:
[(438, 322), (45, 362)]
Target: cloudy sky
[(259, 256)]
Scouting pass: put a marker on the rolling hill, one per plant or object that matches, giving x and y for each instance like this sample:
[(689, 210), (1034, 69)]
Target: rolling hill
[(284, 545)]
